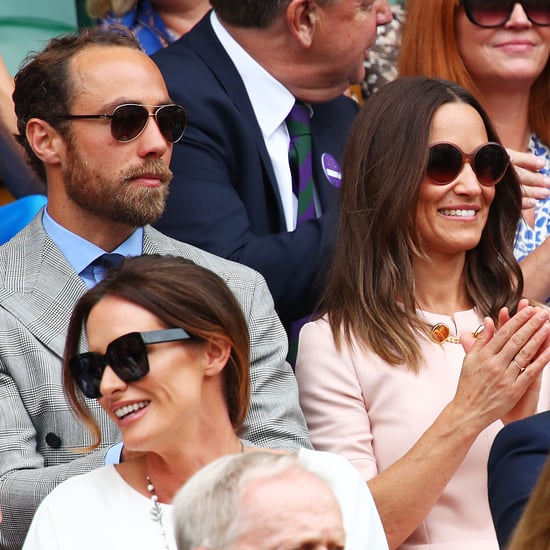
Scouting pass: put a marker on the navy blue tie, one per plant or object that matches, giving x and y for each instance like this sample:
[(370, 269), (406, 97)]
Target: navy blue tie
[(103, 263)]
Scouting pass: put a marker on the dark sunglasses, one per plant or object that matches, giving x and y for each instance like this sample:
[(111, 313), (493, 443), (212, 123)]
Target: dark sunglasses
[(495, 13), (129, 120), (127, 356), (488, 161)]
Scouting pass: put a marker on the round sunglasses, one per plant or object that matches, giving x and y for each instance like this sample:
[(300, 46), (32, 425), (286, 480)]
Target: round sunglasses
[(489, 162), (495, 13), (126, 355), (129, 120)]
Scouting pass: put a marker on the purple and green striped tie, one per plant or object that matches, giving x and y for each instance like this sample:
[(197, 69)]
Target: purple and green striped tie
[(298, 123)]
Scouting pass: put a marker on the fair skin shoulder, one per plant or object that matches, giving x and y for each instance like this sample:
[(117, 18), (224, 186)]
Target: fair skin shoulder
[(490, 387), (181, 422), (505, 62), (316, 50), (132, 78)]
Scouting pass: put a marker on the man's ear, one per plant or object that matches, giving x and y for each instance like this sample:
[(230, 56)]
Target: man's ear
[(301, 17), (46, 142)]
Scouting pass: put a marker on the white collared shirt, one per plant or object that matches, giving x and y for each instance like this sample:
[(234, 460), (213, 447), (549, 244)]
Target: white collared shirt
[(271, 103)]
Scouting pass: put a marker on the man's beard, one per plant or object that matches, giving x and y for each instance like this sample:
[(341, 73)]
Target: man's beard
[(115, 197)]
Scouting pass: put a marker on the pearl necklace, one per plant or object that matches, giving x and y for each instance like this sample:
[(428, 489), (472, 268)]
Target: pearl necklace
[(441, 333), (156, 510)]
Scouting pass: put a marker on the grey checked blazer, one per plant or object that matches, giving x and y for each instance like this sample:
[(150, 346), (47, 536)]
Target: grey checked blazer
[(38, 433)]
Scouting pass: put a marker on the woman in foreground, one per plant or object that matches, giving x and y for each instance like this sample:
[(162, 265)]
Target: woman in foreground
[(169, 363)]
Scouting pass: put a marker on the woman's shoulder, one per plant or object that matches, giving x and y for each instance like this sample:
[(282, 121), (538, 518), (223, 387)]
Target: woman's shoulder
[(99, 481)]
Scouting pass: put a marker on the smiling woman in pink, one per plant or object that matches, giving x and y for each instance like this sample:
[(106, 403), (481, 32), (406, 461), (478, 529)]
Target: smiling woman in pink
[(424, 347)]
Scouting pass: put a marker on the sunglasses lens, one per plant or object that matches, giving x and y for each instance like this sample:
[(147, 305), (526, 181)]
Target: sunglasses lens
[(538, 11), (127, 356), (171, 120), (490, 163), (494, 13), (489, 13), (444, 164), (128, 121), (87, 370)]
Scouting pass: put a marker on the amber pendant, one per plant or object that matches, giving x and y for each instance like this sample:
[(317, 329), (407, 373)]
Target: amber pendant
[(440, 332)]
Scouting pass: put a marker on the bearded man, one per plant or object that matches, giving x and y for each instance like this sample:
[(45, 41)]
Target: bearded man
[(98, 126)]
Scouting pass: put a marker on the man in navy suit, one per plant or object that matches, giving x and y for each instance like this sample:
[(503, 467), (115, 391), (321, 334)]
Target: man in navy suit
[(238, 73), (517, 457)]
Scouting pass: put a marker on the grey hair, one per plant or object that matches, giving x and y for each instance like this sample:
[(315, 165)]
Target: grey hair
[(206, 508)]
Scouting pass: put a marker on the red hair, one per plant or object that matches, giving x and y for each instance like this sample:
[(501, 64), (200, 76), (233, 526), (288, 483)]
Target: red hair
[(429, 48)]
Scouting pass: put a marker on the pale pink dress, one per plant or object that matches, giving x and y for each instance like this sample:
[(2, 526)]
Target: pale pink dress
[(372, 413)]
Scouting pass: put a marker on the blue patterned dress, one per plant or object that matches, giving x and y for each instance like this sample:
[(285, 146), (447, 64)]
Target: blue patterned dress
[(146, 24), (528, 238)]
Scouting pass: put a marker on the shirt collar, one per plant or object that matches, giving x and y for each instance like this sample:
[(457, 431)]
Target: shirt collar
[(270, 100), (79, 252)]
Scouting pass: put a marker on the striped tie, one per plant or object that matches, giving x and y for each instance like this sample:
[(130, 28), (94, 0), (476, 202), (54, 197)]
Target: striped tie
[(298, 123)]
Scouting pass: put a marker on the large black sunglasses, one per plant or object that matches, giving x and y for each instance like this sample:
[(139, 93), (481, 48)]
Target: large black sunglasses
[(495, 13), (127, 356), (130, 119), (488, 161)]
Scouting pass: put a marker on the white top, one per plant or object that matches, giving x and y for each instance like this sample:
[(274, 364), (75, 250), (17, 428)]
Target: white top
[(100, 510)]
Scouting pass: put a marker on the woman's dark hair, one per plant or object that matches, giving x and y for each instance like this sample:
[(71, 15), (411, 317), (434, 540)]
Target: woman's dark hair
[(369, 296), (180, 294)]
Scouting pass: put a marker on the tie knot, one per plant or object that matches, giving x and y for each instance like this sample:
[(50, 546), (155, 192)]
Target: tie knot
[(298, 120), (107, 261)]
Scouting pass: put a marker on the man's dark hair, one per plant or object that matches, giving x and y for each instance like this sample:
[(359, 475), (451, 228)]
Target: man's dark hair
[(44, 88)]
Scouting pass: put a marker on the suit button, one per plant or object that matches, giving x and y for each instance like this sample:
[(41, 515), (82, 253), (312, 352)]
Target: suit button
[(53, 440)]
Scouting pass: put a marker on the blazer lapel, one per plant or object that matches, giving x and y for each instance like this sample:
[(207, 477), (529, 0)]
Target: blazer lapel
[(203, 40), (40, 288)]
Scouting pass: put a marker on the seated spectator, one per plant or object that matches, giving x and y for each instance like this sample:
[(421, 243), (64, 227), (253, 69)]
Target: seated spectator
[(500, 52), (517, 458), (258, 500), (533, 530), (243, 71), (96, 119), (169, 364), (398, 375), (155, 23)]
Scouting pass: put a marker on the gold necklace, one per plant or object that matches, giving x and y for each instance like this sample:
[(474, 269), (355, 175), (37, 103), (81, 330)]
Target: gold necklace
[(441, 333)]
